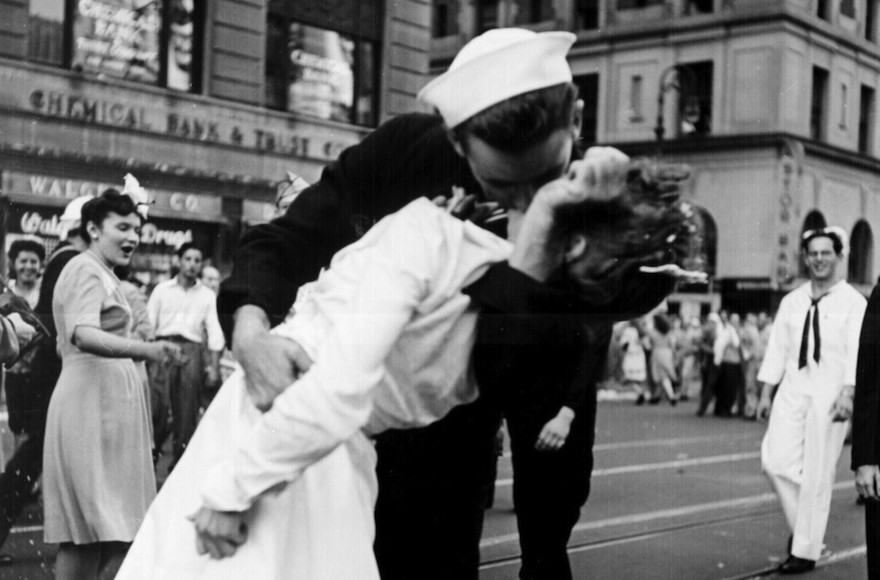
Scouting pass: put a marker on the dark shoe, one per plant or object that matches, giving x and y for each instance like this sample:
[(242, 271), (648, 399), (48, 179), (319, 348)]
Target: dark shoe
[(795, 565), (673, 402), (640, 400), (6, 560)]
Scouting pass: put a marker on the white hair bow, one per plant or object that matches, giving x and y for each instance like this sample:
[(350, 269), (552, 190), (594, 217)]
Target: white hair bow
[(138, 195)]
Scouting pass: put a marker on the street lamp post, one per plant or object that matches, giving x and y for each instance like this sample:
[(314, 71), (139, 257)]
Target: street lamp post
[(670, 79)]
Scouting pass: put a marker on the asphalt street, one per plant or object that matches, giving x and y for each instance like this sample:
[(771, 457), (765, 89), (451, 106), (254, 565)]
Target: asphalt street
[(677, 496), (673, 497)]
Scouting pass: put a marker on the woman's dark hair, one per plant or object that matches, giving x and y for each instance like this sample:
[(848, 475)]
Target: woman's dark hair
[(32, 246), (522, 121), (96, 210)]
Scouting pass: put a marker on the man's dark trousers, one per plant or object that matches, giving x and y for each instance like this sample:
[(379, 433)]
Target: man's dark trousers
[(178, 389), (872, 537), (451, 460)]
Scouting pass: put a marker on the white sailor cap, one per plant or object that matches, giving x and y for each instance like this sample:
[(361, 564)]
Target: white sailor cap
[(498, 65)]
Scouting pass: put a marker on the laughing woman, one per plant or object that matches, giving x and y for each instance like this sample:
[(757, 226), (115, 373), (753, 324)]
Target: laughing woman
[(98, 474)]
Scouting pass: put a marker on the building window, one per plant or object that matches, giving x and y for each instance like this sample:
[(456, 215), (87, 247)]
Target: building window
[(861, 254), (844, 95), (487, 15), (695, 102), (848, 8), (531, 11), (631, 4), (703, 253), (46, 32), (324, 72), (635, 99), (445, 19), (817, 104), (588, 14), (183, 45), (870, 20), (823, 9), (588, 92), (699, 7), (866, 119)]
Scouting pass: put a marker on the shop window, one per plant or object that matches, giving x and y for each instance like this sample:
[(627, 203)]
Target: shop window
[(531, 11), (328, 71), (631, 4), (445, 18), (588, 14), (46, 31), (155, 42), (861, 254), (814, 221), (818, 103), (588, 92), (848, 8), (866, 119)]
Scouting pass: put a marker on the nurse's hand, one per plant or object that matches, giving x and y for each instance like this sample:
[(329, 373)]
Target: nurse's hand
[(763, 411), (219, 534), (868, 482), (842, 408)]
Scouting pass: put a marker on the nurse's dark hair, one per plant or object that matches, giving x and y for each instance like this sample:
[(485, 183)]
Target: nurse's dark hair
[(522, 121), (96, 210)]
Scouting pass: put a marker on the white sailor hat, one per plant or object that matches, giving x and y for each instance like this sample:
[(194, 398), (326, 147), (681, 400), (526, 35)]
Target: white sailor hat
[(498, 65)]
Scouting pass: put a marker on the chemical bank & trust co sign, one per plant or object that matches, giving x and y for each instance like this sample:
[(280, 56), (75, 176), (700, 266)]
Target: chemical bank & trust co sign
[(158, 112), (255, 136)]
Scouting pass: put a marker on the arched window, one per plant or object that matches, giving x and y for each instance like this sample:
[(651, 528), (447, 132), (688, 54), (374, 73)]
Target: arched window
[(704, 246), (814, 220), (861, 254)]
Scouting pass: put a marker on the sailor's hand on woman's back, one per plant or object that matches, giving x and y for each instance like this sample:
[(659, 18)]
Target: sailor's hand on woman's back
[(271, 363)]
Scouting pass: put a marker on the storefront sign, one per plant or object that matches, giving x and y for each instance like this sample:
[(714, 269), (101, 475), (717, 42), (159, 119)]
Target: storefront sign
[(117, 38), (200, 207), (137, 115), (46, 223)]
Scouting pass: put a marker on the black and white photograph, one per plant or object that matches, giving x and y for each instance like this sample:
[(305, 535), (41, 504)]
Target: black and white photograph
[(439, 289)]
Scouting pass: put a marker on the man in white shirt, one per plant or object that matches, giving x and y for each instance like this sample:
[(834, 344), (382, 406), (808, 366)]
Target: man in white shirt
[(184, 310), (812, 351)]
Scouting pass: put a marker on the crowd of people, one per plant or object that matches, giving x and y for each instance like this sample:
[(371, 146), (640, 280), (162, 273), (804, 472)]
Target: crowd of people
[(447, 271), (714, 358)]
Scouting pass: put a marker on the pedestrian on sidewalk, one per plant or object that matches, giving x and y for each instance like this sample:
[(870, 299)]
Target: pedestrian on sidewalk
[(184, 311), (812, 354), (24, 468), (98, 479)]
